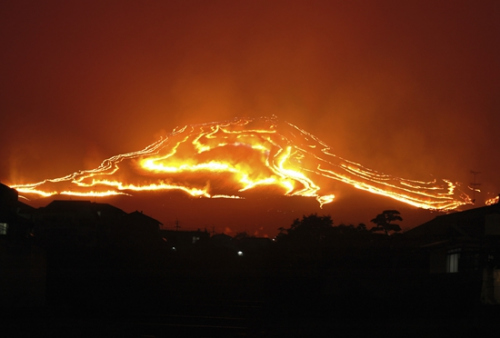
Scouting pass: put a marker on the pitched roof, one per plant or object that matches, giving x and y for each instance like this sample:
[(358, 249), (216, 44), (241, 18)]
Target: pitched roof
[(468, 223), (137, 215), (80, 205), (63, 205)]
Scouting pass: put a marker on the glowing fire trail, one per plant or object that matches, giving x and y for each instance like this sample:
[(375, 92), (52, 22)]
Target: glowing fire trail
[(222, 160)]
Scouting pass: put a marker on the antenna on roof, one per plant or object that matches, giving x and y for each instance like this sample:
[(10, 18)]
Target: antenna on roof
[(474, 185)]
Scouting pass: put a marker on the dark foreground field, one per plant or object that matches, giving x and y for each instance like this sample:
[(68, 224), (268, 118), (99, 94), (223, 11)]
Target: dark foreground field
[(213, 295)]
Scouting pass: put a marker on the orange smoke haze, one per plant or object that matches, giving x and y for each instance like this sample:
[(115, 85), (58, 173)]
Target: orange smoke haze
[(406, 88)]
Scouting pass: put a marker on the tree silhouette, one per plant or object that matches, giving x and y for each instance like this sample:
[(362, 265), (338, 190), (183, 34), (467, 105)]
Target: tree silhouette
[(241, 235), (309, 229), (282, 230), (361, 227), (384, 221)]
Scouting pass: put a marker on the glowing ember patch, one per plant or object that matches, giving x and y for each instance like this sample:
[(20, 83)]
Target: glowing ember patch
[(491, 201), (221, 160), (153, 165)]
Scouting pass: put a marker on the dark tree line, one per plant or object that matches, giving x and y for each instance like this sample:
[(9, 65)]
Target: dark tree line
[(318, 229)]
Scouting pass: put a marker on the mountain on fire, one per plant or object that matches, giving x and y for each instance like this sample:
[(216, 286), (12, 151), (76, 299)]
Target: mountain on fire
[(225, 159)]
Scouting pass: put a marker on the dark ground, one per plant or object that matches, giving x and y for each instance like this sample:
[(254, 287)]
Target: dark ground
[(210, 295)]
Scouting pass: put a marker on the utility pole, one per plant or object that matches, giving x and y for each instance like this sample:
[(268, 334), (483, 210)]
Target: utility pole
[(177, 226), (474, 185)]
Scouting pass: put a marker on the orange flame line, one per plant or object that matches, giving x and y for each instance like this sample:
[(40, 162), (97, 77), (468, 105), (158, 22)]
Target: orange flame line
[(287, 157)]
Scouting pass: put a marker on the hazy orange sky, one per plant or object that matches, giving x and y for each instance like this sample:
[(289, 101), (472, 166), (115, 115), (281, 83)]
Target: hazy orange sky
[(410, 88)]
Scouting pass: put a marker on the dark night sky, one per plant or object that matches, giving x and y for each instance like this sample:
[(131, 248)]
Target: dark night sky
[(410, 88)]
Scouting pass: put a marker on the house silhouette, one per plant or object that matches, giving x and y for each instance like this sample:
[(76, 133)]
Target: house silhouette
[(464, 245)]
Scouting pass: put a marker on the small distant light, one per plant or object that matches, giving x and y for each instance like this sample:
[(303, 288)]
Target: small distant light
[(174, 248), (240, 253)]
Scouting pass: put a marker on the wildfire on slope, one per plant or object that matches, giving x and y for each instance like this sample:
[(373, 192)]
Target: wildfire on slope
[(493, 200), (223, 160)]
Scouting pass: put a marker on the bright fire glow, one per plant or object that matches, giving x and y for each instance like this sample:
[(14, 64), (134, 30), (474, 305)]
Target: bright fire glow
[(493, 200), (223, 160)]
